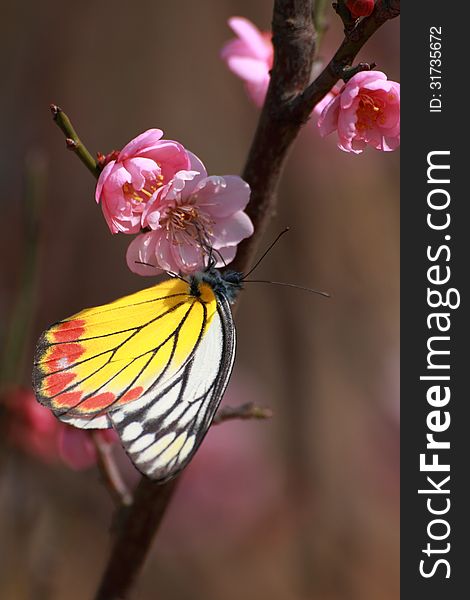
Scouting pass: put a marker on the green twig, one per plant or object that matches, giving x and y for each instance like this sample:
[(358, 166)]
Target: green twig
[(72, 140)]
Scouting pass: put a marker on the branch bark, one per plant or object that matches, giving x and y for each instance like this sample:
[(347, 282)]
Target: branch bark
[(294, 49), (134, 538), (244, 412)]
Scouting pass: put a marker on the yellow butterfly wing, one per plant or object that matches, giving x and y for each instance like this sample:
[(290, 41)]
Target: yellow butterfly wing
[(163, 429), (153, 365)]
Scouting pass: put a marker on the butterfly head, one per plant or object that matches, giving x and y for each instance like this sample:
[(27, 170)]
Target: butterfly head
[(227, 284)]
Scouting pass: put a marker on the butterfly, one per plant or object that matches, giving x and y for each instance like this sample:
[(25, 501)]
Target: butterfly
[(153, 365)]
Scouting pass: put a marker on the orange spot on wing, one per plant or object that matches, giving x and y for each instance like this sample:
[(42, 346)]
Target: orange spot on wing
[(67, 400), (132, 394), (98, 402), (69, 331), (53, 384), (63, 356)]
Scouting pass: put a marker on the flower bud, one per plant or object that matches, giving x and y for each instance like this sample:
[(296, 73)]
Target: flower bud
[(360, 8)]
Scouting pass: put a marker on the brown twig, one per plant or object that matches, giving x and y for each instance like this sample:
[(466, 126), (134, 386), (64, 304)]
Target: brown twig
[(244, 412), (134, 538), (110, 472)]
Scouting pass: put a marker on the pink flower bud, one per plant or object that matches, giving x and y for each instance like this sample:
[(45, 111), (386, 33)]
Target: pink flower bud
[(360, 8)]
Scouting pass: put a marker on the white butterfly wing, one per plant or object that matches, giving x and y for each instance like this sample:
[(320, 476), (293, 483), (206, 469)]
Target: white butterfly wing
[(162, 430)]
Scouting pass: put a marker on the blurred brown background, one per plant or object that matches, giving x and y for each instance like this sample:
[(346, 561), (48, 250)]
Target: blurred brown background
[(304, 507)]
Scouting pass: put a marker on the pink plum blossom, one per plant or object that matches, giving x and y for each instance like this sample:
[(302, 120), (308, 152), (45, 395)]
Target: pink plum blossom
[(365, 113), (335, 90), (129, 181), (28, 425), (33, 429), (187, 217), (250, 56)]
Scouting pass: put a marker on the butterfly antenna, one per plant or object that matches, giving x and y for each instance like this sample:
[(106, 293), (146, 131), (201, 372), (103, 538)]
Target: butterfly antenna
[(292, 285), (220, 256), (269, 248), (141, 262), (208, 251), (176, 276), (170, 273)]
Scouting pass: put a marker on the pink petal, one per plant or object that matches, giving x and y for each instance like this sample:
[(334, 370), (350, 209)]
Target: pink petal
[(232, 230), (142, 143), (250, 70), (347, 122), (164, 255), (328, 121), (187, 257), (235, 47), (390, 143), (252, 37), (355, 146), (196, 164), (142, 249), (364, 77), (222, 196), (102, 179), (116, 179), (152, 212), (320, 106), (170, 156), (76, 448), (353, 86), (180, 187), (379, 84), (137, 166), (225, 255), (118, 215), (391, 115)]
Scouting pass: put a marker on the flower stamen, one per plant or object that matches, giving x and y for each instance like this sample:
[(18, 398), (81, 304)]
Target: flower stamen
[(370, 110), (186, 224), (145, 193)]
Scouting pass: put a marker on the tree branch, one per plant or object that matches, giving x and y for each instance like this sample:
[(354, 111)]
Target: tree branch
[(353, 41), (134, 538), (72, 140), (294, 47), (244, 412), (109, 471)]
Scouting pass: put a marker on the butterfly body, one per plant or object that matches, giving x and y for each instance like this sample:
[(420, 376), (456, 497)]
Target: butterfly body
[(153, 365)]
